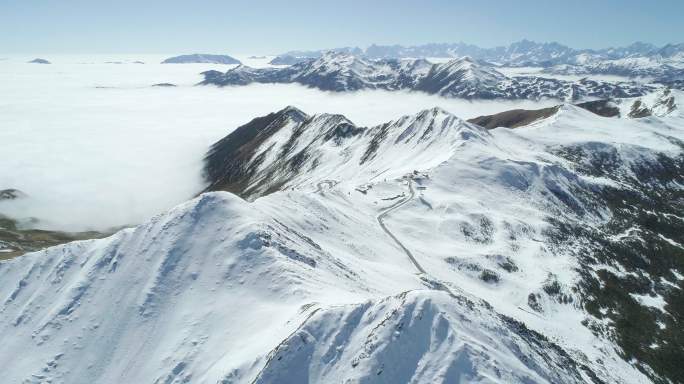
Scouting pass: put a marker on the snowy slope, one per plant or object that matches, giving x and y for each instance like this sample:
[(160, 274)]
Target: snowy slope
[(413, 251), (510, 253), (417, 336), (461, 76)]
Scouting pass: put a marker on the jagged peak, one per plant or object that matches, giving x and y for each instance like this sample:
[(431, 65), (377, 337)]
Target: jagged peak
[(428, 114), (437, 111), (294, 113), (321, 118)]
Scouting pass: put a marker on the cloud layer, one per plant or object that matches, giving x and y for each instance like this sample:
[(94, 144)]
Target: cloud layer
[(94, 146)]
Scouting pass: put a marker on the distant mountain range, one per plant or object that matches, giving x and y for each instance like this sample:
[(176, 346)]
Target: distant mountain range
[(461, 78), (521, 53), (635, 60)]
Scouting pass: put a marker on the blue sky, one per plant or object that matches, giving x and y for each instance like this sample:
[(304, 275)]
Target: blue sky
[(270, 27)]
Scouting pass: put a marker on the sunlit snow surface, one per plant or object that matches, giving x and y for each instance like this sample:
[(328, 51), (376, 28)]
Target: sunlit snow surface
[(94, 145), (303, 285)]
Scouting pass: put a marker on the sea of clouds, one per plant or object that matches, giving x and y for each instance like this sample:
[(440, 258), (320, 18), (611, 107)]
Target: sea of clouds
[(94, 146)]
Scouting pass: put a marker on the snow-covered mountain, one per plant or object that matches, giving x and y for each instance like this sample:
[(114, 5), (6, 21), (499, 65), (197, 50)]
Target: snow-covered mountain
[(333, 71), (520, 53), (461, 78), (635, 60), (426, 249), (282, 148), (660, 104)]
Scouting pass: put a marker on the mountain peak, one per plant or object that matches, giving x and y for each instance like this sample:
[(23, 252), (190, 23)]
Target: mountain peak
[(437, 112), (293, 112)]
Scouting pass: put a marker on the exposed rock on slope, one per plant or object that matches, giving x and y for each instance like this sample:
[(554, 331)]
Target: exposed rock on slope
[(663, 103), (521, 117), (632, 283), (658, 104), (11, 194), (605, 108), (513, 118), (233, 162), (639, 109), (15, 240)]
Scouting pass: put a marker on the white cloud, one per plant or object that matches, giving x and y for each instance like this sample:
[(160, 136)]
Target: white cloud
[(93, 158)]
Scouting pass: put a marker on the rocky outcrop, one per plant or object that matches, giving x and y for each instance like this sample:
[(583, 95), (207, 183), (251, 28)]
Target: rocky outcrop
[(232, 162), (39, 61), (11, 194), (663, 104), (513, 118), (16, 240), (605, 108)]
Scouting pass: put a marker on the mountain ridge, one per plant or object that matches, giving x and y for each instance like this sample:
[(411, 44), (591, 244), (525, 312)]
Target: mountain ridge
[(459, 78), (549, 253)]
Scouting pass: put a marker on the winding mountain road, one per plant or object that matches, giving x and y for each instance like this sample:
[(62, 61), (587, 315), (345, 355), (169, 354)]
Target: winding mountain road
[(381, 218)]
